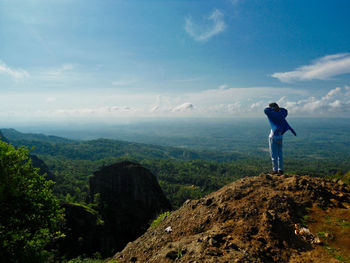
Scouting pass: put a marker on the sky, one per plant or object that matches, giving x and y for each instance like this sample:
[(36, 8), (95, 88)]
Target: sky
[(106, 60)]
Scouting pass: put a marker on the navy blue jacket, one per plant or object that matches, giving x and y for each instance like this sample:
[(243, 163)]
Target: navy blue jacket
[(278, 122)]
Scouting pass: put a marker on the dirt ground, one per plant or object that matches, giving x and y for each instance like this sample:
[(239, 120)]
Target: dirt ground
[(253, 220)]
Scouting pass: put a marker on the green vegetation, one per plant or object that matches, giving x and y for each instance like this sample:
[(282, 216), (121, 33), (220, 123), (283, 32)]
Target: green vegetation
[(327, 235), (195, 162), (30, 215), (333, 228), (343, 223), (182, 173), (336, 253), (90, 210), (179, 254), (159, 219)]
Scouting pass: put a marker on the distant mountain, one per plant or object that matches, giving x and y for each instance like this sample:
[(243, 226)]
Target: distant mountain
[(14, 135), (2, 137), (265, 218), (105, 148)]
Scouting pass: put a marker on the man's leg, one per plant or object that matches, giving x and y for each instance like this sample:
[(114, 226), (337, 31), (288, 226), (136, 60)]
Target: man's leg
[(280, 154), (273, 154)]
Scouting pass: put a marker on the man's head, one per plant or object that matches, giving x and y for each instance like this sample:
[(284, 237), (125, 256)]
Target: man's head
[(274, 105)]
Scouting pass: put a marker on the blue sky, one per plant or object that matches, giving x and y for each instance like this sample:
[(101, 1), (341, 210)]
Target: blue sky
[(94, 60)]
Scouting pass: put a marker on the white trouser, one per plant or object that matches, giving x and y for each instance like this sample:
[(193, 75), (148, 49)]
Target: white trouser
[(275, 143)]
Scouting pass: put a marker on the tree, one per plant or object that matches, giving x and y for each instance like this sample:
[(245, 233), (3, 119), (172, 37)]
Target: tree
[(30, 214)]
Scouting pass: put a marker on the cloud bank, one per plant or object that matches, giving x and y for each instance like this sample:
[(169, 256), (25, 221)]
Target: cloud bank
[(222, 102), (335, 103), (204, 31), (321, 69), (250, 102)]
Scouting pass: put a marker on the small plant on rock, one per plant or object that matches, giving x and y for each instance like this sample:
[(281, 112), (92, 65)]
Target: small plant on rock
[(160, 219)]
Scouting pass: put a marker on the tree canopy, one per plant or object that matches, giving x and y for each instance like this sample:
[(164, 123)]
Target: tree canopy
[(30, 215)]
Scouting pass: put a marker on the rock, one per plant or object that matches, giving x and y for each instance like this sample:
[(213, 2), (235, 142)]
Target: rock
[(173, 255), (130, 199), (126, 198), (212, 242), (208, 202)]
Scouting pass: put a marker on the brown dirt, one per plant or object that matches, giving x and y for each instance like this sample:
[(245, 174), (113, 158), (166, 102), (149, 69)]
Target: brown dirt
[(251, 220)]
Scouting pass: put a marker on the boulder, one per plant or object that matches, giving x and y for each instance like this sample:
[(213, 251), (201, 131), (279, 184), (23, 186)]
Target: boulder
[(129, 199)]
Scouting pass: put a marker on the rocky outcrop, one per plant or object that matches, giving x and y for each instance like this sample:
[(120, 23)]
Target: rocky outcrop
[(126, 197), (129, 198), (253, 220)]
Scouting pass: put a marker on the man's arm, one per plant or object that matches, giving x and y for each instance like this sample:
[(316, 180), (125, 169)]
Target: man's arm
[(268, 110), (284, 112), (291, 129)]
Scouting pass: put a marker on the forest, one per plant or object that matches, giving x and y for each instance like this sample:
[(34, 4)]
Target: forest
[(192, 163), (189, 171)]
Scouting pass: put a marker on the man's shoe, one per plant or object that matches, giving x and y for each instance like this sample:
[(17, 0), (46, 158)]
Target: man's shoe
[(280, 172), (274, 172)]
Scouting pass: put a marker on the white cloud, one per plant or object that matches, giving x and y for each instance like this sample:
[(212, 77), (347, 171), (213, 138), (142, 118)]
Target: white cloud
[(155, 109), (335, 103), (223, 87), (222, 101), (244, 102), (184, 107), (205, 31), (226, 95), (321, 69), (16, 74), (99, 111)]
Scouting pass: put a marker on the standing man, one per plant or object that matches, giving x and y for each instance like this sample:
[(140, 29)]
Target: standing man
[(279, 125)]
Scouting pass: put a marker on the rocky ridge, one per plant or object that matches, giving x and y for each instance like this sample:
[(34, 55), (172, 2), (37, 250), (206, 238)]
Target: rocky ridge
[(250, 220)]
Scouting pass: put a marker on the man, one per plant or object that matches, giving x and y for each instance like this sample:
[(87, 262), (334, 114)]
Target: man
[(279, 125)]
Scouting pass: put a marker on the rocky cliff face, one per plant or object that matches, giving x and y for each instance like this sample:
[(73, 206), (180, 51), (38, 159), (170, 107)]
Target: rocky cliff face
[(130, 197), (126, 198), (253, 220)]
